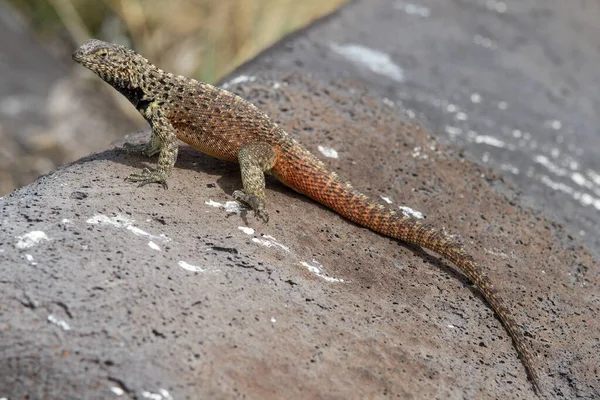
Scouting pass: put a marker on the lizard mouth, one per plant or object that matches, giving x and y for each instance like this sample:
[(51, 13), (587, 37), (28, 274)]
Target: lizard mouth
[(77, 56), (80, 56)]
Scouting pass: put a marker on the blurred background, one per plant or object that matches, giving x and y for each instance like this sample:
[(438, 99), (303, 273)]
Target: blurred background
[(52, 109)]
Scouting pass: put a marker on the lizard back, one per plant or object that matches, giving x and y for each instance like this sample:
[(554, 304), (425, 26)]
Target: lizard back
[(215, 121)]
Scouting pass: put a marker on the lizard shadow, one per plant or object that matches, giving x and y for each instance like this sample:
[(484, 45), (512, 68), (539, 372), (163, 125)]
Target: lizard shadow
[(453, 271), (230, 180), (189, 159), (444, 266)]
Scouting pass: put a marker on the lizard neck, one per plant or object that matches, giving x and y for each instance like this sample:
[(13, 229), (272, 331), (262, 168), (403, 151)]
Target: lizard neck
[(143, 84), (134, 95)]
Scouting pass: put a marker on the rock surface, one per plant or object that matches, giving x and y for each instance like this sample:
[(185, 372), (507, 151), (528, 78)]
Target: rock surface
[(515, 83), (113, 287), (114, 291)]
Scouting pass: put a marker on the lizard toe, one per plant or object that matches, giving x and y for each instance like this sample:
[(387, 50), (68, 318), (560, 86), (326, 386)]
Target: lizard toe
[(147, 176), (254, 202), (262, 214), (240, 195)]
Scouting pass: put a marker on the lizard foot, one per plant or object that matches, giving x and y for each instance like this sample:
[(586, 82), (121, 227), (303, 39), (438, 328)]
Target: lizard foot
[(254, 202), (146, 149), (148, 176)]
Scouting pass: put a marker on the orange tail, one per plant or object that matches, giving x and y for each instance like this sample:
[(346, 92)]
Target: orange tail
[(313, 180)]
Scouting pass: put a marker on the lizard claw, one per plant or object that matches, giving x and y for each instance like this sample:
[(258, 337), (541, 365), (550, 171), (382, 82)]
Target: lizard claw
[(257, 204), (262, 214), (147, 176)]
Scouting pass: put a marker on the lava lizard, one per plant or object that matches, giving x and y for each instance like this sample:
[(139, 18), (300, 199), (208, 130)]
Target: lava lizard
[(224, 125)]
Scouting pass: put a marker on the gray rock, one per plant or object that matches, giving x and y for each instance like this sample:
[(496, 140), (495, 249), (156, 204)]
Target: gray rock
[(114, 291)]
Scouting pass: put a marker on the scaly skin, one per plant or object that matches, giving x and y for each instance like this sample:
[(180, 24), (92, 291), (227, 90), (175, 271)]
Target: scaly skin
[(225, 126)]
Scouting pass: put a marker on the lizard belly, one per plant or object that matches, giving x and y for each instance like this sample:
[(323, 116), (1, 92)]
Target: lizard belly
[(215, 145)]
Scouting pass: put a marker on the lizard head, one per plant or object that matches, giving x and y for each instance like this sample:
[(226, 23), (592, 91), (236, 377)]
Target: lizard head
[(117, 65)]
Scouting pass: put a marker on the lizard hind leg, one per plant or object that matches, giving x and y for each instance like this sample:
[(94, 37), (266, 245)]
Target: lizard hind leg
[(255, 159)]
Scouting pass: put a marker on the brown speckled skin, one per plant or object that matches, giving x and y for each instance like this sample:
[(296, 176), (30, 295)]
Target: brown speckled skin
[(225, 126)]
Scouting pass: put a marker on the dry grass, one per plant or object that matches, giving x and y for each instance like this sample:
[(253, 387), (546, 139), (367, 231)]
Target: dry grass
[(206, 39)]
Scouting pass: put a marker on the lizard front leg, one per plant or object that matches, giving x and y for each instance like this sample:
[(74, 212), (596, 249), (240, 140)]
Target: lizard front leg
[(163, 141), (255, 159)]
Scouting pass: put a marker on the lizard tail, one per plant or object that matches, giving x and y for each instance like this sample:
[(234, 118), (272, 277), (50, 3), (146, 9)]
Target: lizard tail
[(325, 188), (417, 232)]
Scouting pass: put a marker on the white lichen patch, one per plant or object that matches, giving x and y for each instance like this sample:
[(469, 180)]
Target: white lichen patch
[(30, 259), (475, 98), (31, 239), (496, 6), (555, 124), (263, 242), (154, 246), (246, 230), (377, 61), (585, 199), (549, 165), (162, 394), (328, 152), (238, 80), (451, 108), (120, 221), (190, 267), (484, 42), (317, 269), (413, 9), (59, 322), (388, 102), (411, 213), (594, 176), (510, 168), (490, 141), (497, 253), (212, 203), (270, 241), (229, 206), (386, 199), (453, 130), (461, 116)]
